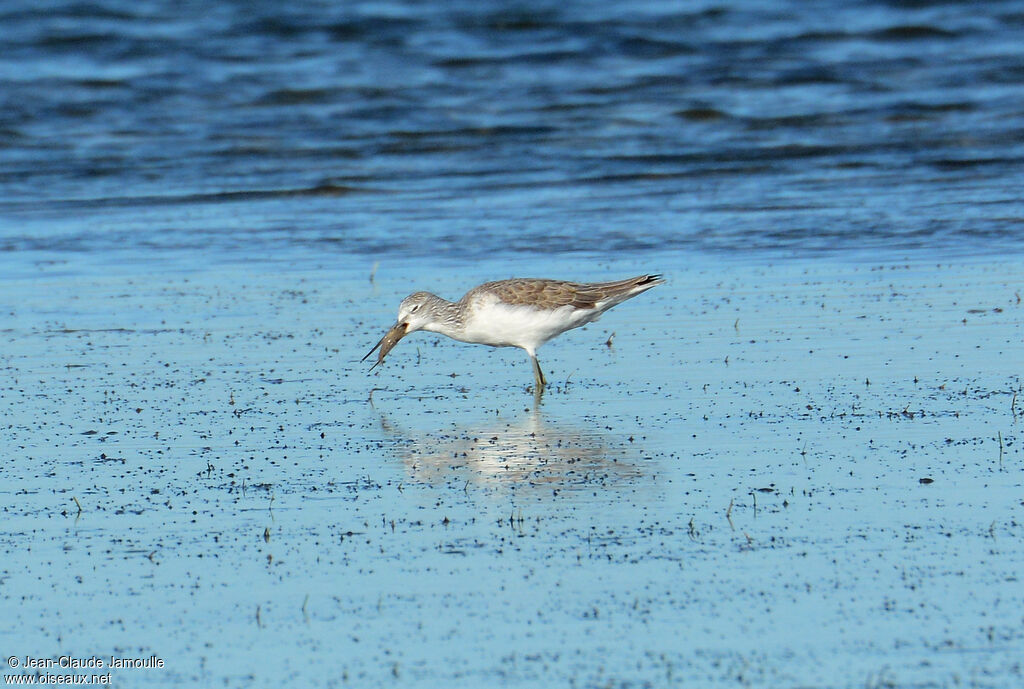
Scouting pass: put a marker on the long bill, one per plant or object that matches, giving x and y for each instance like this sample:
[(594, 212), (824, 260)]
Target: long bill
[(388, 342)]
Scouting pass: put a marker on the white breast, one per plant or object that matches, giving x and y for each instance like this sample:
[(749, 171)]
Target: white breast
[(499, 324)]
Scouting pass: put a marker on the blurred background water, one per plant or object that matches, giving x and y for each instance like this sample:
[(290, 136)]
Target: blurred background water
[(138, 131)]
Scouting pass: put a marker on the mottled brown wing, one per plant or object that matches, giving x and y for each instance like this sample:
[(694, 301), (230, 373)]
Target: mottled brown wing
[(552, 294), (544, 294)]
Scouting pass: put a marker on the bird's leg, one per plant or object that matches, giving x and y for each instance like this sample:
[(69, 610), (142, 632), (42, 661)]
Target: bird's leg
[(538, 375)]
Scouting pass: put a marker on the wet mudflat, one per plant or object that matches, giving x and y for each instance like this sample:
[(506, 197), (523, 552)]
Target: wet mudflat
[(791, 474)]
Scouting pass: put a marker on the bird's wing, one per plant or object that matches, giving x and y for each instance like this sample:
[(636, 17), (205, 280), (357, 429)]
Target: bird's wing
[(544, 294), (553, 294)]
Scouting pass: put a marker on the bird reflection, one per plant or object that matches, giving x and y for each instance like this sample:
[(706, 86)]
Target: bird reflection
[(528, 452)]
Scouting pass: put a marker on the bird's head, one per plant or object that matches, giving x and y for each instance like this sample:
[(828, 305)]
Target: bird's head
[(414, 313)]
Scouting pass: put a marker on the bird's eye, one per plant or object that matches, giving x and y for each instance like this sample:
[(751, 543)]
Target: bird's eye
[(414, 307)]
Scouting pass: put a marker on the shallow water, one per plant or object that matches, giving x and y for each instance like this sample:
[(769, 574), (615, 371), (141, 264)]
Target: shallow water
[(797, 463), (729, 494)]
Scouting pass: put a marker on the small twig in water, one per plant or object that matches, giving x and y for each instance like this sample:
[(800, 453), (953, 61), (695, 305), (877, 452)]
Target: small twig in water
[(728, 516)]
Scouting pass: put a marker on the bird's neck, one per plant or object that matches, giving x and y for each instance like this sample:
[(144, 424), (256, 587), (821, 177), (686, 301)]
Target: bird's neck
[(447, 317)]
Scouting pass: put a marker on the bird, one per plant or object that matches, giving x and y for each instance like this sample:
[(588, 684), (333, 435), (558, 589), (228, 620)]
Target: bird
[(520, 312)]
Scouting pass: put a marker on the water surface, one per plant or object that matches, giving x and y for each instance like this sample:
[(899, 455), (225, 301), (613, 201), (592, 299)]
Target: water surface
[(797, 463), (461, 130)]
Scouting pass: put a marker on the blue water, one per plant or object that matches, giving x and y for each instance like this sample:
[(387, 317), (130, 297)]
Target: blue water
[(797, 463), (729, 495), (249, 130)]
